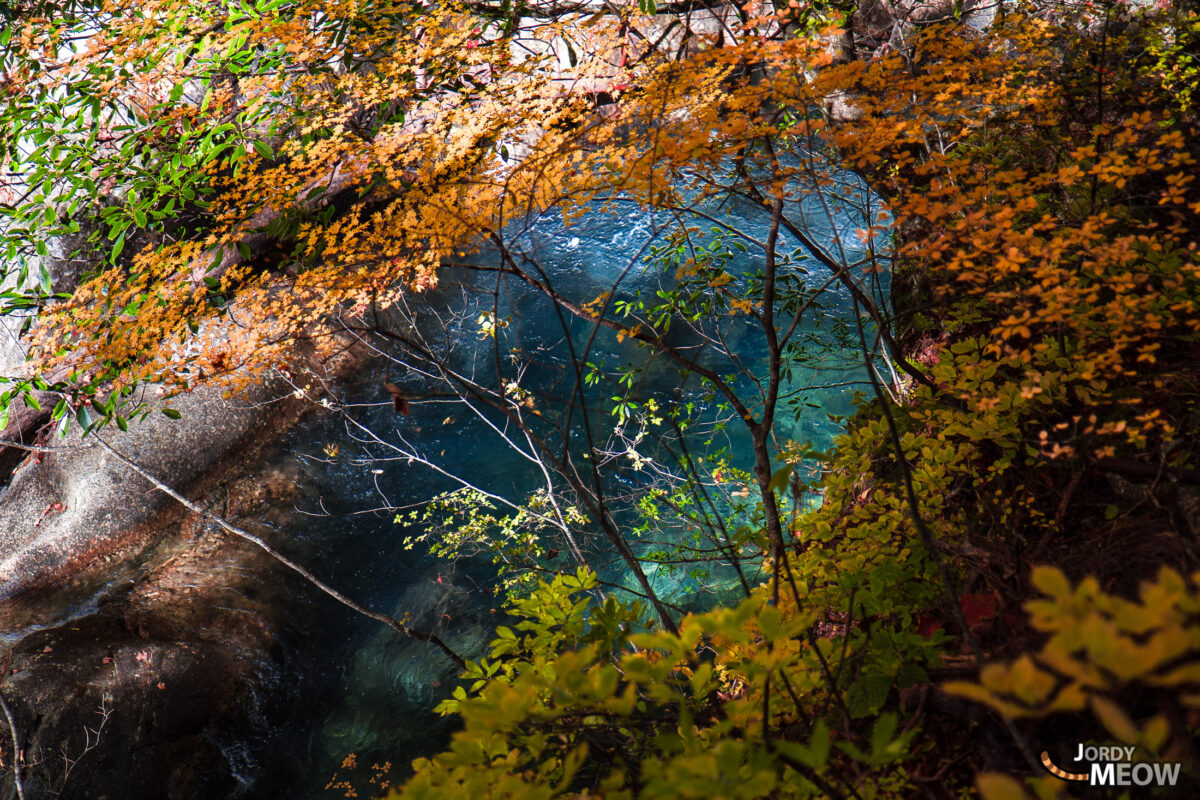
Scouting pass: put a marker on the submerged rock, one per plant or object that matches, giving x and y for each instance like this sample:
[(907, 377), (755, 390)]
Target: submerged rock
[(394, 678)]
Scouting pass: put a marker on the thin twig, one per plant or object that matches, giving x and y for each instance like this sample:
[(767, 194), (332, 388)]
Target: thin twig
[(91, 740), (33, 448), (17, 759), (927, 538)]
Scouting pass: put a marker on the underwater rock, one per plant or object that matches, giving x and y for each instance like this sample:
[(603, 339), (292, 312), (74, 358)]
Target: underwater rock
[(398, 678)]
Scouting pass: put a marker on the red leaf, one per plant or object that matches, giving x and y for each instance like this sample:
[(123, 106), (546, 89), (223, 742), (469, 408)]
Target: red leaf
[(978, 607), (927, 626)]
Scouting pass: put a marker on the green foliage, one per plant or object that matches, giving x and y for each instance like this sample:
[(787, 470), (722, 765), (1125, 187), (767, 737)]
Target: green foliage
[(83, 406), (572, 700), (465, 524), (1174, 52)]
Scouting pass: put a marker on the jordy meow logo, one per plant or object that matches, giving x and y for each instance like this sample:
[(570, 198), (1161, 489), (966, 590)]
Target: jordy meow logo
[(1114, 766)]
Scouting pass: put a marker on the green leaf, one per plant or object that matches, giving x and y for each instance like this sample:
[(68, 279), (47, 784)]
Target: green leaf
[(994, 786), (172, 413), (1115, 719), (118, 245), (881, 734), (780, 478), (770, 622), (819, 745), (868, 694)]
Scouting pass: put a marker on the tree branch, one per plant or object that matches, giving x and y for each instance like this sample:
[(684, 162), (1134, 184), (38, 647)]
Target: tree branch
[(391, 622)]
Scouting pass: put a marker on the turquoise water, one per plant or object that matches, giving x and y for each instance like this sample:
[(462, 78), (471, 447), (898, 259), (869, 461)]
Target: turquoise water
[(357, 688)]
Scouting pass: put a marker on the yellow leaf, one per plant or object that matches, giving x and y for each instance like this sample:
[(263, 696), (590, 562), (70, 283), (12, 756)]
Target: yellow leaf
[(1051, 581), (1114, 719), (994, 786)]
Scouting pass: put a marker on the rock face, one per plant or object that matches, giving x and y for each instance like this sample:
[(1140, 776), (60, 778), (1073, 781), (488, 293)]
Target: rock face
[(151, 694), (136, 690), (120, 707), (157, 634), (141, 642), (78, 502)]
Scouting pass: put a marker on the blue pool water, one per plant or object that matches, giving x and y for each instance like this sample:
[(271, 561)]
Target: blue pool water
[(364, 691)]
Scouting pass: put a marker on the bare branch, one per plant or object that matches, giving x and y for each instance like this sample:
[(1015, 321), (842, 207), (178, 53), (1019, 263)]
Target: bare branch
[(391, 622)]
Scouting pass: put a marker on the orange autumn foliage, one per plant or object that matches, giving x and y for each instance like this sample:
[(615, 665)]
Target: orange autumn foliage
[(1040, 211)]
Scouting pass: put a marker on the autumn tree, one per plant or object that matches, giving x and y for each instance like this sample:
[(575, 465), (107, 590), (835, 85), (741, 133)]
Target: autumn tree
[(281, 170), (1039, 181), (262, 175)]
